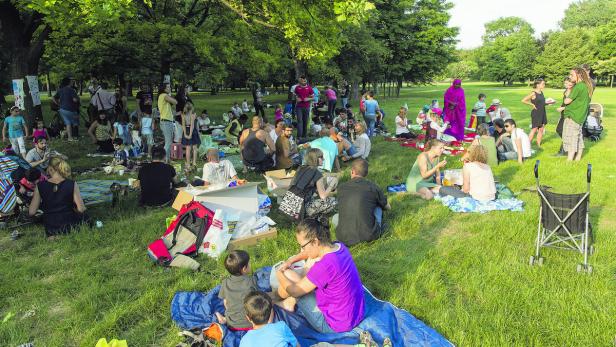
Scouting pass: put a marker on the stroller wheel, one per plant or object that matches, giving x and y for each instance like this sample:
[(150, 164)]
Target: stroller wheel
[(591, 250), (532, 260), (589, 269), (540, 261), (579, 268)]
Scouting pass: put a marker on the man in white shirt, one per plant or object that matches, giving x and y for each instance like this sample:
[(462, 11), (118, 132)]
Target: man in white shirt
[(104, 101), (236, 110), (217, 171), (514, 144)]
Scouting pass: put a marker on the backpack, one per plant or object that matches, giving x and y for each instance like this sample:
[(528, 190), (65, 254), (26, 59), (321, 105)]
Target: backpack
[(184, 235), (294, 200)]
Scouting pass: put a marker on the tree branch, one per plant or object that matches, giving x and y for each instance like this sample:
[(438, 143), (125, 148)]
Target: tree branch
[(245, 16), (190, 13), (204, 15)]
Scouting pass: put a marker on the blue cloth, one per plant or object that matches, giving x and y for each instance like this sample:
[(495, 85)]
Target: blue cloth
[(276, 334), (397, 188), (329, 149), (371, 106), (15, 124), (382, 319), (472, 205)]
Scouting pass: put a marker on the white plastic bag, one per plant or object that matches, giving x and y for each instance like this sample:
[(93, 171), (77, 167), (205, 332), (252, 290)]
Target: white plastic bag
[(252, 226), (217, 237)]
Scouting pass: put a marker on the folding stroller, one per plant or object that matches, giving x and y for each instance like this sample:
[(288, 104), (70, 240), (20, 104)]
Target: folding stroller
[(564, 222), (593, 126)]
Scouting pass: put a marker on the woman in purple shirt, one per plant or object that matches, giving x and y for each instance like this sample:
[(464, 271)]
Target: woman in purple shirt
[(330, 275)]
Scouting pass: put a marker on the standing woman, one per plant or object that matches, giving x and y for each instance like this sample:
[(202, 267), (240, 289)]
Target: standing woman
[(191, 137), (538, 117), (455, 110), (165, 107), (575, 112)]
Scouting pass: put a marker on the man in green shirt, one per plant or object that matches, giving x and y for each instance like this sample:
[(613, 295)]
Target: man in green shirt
[(575, 112)]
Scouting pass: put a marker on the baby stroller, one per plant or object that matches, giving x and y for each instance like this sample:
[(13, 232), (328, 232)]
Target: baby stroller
[(593, 127), (564, 222), (13, 206)]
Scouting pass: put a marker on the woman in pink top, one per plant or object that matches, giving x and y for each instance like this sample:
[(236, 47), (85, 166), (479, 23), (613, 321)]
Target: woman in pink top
[(330, 293), (331, 101)]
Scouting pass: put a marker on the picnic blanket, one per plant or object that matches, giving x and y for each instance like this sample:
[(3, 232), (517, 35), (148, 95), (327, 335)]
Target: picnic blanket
[(419, 145), (382, 319), (471, 205), (97, 191)]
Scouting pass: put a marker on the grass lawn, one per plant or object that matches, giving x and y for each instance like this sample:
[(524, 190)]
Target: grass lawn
[(466, 275)]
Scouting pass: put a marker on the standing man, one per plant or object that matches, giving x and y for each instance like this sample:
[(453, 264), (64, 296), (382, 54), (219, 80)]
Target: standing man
[(361, 204), (304, 95), (166, 105), (104, 101), (257, 97), (67, 99), (346, 91)]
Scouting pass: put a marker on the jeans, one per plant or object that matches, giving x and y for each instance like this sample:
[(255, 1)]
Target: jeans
[(307, 305), (378, 215), (259, 110), (371, 122), (506, 151), (302, 114), (452, 191), (331, 106), (70, 118), (168, 129), (345, 101)]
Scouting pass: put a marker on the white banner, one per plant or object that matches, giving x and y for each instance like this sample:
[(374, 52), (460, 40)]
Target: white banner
[(34, 89), (167, 79), (18, 91)]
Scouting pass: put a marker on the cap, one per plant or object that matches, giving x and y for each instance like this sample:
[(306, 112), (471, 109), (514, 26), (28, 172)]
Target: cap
[(496, 102)]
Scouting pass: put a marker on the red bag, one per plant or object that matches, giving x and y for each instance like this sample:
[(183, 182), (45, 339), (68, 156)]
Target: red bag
[(177, 151)]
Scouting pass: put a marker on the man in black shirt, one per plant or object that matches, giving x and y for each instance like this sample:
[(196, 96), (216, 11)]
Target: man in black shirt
[(144, 100), (361, 204), (156, 180)]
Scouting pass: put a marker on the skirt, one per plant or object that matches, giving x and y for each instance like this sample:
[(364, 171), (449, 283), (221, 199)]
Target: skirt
[(573, 141), (195, 140)]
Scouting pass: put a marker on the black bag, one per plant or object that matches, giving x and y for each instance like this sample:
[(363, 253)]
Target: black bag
[(294, 200)]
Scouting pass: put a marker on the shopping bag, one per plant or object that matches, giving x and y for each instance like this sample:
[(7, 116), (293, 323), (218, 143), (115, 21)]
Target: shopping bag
[(217, 238)]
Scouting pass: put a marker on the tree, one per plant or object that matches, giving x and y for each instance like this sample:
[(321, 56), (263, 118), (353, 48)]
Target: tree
[(563, 51), (588, 14), (605, 40), (463, 69)]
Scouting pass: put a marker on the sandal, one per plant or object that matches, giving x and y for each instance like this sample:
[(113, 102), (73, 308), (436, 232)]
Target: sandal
[(366, 339), (387, 342)]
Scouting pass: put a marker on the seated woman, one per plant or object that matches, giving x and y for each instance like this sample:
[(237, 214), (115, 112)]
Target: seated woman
[(361, 144), (425, 176), (402, 130), (344, 146), (100, 132), (328, 290), (59, 199), (478, 181), (317, 188), (486, 140)]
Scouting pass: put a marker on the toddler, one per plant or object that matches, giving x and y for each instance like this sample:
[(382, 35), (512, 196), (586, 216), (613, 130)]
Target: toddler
[(234, 289), (259, 311)]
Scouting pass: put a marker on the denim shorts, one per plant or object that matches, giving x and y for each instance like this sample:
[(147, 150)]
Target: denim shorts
[(352, 150), (70, 118)]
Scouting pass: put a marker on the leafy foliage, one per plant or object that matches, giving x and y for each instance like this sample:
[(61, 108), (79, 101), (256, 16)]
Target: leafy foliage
[(588, 14)]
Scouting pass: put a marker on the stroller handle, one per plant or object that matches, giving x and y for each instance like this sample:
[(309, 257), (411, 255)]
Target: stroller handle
[(537, 169), (588, 173)]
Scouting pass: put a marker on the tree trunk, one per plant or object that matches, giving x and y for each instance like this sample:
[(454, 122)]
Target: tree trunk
[(398, 87), (165, 69), (300, 66), (129, 88), (355, 90), (48, 84), (22, 65)]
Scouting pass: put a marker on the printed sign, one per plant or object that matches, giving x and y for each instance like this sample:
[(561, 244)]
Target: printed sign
[(18, 91), (34, 89)]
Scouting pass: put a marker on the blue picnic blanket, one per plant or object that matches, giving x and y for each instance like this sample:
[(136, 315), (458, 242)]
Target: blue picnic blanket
[(97, 191), (472, 205), (382, 319)]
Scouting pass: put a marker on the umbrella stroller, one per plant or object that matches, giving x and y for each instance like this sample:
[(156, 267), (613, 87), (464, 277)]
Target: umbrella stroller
[(564, 222), (593, 126)]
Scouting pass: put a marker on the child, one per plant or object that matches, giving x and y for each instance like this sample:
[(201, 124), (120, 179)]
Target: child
[(260, 313), (147, 132), (278, 112), (120, 156), (135, 137), (434, 104), (122, 129), (234, 289), (435, 130), (203, 122), (245, 107), (17, 130), (423, 115), (27, 184), (190, 138), (480, 107), (40, 131)]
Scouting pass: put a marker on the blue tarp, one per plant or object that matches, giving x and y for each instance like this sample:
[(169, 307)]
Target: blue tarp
[(382, 319)]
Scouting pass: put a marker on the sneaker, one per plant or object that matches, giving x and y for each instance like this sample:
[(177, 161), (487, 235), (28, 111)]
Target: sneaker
[(15, 235)]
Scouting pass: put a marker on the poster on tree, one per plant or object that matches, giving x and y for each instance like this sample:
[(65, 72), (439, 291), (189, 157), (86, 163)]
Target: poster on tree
[(18, 91), (34, 90), (167, 79)]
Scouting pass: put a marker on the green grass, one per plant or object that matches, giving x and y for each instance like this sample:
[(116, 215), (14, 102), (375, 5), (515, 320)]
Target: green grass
[(466, 275)]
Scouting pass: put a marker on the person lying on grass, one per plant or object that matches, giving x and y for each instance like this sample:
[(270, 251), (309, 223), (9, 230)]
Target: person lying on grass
[(329, 276)]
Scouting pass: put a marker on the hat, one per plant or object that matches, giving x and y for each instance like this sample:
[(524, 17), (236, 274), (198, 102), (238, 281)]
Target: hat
[(15, 108), (495, 102), (426, 108)]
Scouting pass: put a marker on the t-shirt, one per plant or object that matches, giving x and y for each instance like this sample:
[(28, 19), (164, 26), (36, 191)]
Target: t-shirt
[(103, 100), (520, 134), (15, 124), (303, 92), (67, 96), (371, 107), (316, 93), (166, 112), (276, 334), (146, 126), (34, 155), (401, 129), (481, 184), (357, 200), (480, 106), (156, 181), (329, 149), (145, 101), (577, 110), (339, 293), (283, 144), (121, 156), (221, 172), (363, 146), (331, 94), (234, 289)]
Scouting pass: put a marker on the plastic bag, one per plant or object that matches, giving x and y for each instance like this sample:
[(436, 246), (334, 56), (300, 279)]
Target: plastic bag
[(113, 343), (252, 226), (217, 237)]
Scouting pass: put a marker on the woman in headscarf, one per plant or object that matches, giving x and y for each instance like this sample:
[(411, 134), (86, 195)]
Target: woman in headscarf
[(455, 110)]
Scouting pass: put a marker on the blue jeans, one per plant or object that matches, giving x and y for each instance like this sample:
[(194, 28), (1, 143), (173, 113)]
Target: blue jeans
[(307, 305), (371, 122), (70, 118), (345, 101), (302, 114), (168, 129), (378, 215), (352, 150)]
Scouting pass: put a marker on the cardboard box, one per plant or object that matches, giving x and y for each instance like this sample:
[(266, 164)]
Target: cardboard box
[(252, 239), (279, 179), (241, 200)]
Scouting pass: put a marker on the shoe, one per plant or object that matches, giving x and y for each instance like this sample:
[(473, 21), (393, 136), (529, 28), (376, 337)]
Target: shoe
[(15, 235), (559, 154)]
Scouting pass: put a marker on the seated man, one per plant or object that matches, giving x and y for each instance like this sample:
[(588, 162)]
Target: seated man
[(360, 205), (157, 180), (498, 128), (345, 147), (329, 149), (341, 122), (257, 146), (514, 144), (287, 155), (39, 156), (217, 171)]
